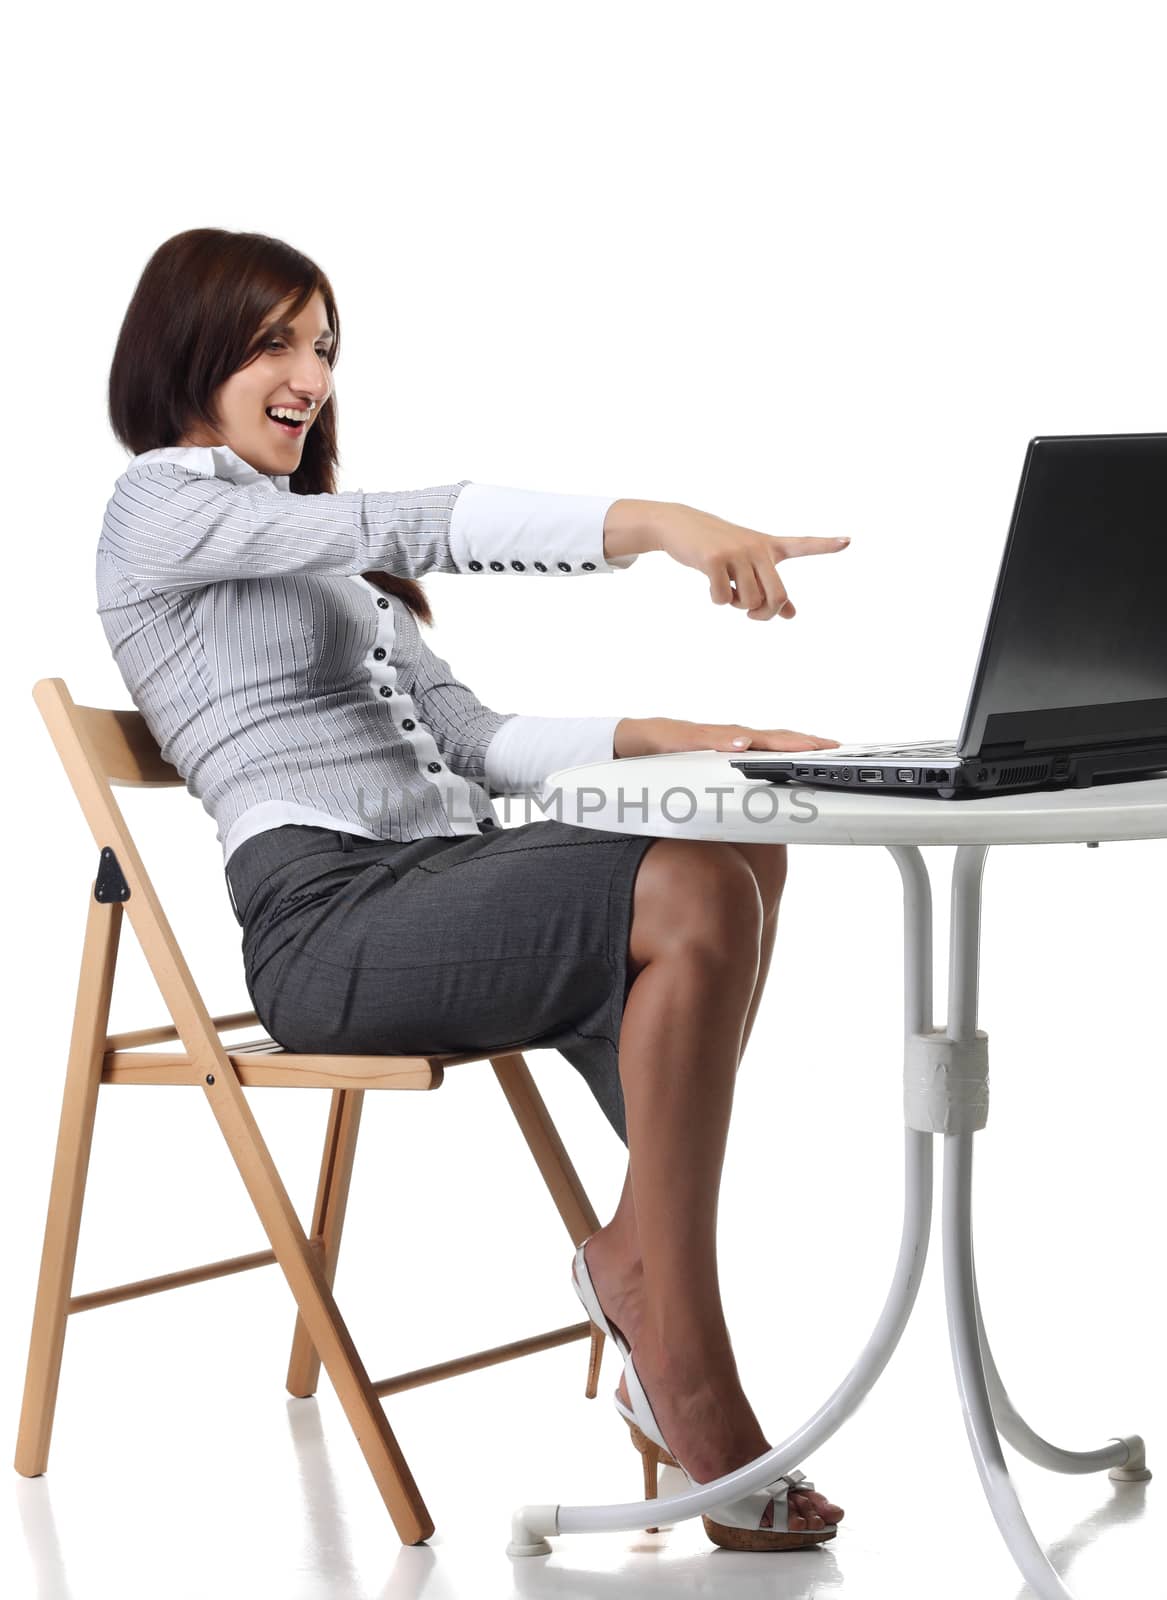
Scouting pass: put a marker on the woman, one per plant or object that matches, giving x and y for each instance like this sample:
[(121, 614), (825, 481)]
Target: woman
[(283, 673)]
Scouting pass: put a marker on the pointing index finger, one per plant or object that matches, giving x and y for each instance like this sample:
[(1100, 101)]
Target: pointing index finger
[(813, 546)]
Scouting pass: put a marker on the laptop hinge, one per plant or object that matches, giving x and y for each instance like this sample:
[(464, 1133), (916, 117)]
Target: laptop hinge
[(1129, 722)]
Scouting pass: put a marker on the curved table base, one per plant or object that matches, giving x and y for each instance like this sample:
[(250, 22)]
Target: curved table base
[(945, 1092), (1126, 1457)]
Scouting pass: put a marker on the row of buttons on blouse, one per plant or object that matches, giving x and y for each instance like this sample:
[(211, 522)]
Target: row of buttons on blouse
[(519, 566), (407, 723)]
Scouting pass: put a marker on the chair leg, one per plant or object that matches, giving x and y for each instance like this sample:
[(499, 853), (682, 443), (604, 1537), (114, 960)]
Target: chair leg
[(67, 1193), (336, 1170), (546, 1146), (303, 1269)]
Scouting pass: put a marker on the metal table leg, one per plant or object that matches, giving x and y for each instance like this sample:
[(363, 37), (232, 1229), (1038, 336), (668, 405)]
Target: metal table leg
[(971, 1358), (1125, 1457)]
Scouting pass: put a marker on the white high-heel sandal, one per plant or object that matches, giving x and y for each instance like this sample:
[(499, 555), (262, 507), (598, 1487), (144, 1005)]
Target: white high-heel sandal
[(734, 1524), (581, 1282)]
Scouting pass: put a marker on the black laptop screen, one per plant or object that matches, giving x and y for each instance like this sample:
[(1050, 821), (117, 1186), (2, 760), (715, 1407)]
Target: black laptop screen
[(1075, 648)]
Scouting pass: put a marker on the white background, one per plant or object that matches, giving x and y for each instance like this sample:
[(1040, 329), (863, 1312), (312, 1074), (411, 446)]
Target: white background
[(816, 269)]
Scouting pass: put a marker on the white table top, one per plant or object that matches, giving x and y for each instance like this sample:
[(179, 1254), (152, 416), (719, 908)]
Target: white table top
[(748, 809)]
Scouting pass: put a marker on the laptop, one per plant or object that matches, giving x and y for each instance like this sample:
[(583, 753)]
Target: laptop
[(1070, 687)]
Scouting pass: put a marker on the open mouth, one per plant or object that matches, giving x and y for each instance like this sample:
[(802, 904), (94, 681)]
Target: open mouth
[(292, 428)]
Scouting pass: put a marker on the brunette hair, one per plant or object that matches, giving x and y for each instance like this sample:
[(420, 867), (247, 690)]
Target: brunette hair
[(192, 322)]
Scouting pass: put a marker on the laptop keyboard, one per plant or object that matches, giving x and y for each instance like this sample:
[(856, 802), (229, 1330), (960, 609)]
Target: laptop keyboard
[(924, 747)]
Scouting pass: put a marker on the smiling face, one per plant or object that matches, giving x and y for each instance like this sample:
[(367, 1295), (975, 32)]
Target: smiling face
[(291, 372)]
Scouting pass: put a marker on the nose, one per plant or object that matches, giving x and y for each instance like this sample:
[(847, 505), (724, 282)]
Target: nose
[(312, 380)]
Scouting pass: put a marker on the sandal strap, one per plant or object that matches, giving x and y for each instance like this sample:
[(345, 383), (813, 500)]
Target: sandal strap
[(786, 1481), (746, 1511)]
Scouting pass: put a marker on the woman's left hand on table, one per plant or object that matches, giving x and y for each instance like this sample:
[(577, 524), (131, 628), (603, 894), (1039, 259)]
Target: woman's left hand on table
[(655, 736)]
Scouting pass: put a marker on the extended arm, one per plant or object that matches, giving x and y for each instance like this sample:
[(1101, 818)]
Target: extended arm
[(172, 528)]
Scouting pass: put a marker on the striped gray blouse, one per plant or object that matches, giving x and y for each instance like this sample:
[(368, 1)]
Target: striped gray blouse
[(283, 686)]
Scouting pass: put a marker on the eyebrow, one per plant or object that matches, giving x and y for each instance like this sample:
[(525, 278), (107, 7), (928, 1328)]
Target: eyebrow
[(286, 328)]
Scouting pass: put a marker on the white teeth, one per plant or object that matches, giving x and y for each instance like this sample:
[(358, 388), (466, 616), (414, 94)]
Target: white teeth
[(292, 416)]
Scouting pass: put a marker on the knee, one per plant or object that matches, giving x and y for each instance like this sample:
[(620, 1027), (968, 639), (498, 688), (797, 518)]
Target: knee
[(768, 864), (695, 894), (772, 880)]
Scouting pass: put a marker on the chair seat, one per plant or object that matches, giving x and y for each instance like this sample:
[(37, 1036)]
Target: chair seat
[(262, 1063)]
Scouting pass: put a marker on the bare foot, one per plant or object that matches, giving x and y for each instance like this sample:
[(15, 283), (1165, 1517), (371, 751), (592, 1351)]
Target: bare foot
[(705, 1416), (712, 1428)]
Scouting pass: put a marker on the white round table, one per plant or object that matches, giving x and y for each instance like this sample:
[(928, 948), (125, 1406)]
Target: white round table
[(699, 795)]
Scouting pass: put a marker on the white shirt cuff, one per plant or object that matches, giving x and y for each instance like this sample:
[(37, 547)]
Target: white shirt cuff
[(526, 749), (530, 532)]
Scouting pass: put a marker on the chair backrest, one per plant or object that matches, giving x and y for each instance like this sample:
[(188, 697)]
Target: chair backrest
[(100, 748), (123, 745)]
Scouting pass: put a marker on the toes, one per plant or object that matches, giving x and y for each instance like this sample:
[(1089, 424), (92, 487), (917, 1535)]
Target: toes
[(824, 1507), (811, 1511), (831, 1512), (808, 1510)]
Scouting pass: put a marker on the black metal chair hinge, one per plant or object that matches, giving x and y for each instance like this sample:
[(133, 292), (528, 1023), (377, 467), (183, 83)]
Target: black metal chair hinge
[(111, 883)]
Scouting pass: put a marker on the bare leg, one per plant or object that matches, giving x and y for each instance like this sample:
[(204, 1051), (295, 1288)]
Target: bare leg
[(614, 1252), (618, 1243), (695, 940), (678, 1061)]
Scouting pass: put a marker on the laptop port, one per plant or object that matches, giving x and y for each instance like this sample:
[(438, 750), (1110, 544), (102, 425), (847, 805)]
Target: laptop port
[(871, 774), (802, 772), (821, 772), (906, 775), (936, 774)]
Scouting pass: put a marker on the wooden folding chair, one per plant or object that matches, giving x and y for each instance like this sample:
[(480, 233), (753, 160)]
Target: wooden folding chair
[(100, 748)]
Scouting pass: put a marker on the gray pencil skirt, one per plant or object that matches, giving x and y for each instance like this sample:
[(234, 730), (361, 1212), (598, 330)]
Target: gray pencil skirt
[(513, 936)]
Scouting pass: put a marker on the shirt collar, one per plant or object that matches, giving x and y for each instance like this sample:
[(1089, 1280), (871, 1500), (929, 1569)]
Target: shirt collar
[(213, 461)]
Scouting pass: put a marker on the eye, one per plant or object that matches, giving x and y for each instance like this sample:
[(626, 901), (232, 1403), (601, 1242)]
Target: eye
[(322, 353)]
